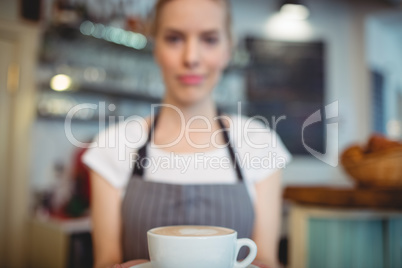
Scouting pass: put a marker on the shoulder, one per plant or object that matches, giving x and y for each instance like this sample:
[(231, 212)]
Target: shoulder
[(113, 149), (250, 131), (259, 148)]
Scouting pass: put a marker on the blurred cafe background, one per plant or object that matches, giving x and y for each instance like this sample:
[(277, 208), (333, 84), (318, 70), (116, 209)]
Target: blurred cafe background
[(292, 58)]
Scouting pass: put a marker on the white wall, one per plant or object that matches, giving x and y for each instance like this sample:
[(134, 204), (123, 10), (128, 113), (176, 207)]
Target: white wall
[(341, 25), (384, 54)]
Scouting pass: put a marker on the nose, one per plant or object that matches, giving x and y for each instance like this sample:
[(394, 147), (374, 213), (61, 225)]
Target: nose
[(191, 53)]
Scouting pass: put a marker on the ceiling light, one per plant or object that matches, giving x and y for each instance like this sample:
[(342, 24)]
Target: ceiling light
[(60, 82), (294, 10)]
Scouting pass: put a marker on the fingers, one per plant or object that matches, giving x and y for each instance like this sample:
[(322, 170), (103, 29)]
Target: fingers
[(132, 263), (260, 264)]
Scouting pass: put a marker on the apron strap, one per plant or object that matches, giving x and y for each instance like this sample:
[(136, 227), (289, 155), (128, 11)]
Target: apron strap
[(230, 147), (142, 151)]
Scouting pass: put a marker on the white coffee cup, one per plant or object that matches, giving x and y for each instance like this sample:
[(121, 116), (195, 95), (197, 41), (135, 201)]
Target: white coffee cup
[(197, 247)]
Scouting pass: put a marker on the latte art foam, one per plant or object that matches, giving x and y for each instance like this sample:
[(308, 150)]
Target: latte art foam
[(192, 231)]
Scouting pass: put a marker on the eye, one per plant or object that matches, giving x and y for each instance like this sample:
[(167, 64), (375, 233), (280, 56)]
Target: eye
[(172, 39), (211, 40)]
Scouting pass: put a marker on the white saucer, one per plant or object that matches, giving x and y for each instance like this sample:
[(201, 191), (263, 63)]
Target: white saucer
[(148, 265)]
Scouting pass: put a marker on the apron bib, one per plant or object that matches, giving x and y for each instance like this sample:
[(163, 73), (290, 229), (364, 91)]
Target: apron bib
[(147, 205)]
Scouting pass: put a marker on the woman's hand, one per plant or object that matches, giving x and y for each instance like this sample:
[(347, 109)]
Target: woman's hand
[(129, 264), (260, 264)]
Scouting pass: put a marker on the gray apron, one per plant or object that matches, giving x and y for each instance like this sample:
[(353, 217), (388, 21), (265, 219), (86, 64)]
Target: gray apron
[(148, 205)]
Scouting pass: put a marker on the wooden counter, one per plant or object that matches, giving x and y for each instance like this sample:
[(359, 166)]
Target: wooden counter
[(344, 227)]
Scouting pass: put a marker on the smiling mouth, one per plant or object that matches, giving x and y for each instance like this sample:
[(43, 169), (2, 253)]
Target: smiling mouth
[(191, 79)]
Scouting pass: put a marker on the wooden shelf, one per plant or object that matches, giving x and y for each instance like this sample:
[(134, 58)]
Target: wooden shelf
[(99, 90), (343, 197)]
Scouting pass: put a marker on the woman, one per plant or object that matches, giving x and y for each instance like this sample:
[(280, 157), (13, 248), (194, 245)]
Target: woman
[(192, 47)]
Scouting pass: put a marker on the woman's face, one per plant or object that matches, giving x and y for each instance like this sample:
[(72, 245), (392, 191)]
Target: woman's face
[(192, 48)]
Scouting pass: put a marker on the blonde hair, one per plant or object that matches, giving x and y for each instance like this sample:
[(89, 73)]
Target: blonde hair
[(155, 14)]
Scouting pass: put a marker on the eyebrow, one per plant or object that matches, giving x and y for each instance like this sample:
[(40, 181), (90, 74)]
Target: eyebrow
[(207, 32)]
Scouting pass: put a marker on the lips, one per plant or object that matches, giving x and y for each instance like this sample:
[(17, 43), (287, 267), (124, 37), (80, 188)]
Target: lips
[(191, 79)]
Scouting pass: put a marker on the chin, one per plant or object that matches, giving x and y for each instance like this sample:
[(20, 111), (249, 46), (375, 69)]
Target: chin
[(190, 96)]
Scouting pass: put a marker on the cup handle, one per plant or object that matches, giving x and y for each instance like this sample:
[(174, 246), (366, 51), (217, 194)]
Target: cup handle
[(250, 257)]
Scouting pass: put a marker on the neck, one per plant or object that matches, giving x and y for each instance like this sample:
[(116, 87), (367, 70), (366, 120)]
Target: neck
[(179, 112)]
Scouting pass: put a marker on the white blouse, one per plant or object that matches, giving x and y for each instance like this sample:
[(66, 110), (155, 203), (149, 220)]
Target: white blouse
[(259, 151)]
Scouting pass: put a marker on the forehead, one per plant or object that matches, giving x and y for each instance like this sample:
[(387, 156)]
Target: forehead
[(192, 15)]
